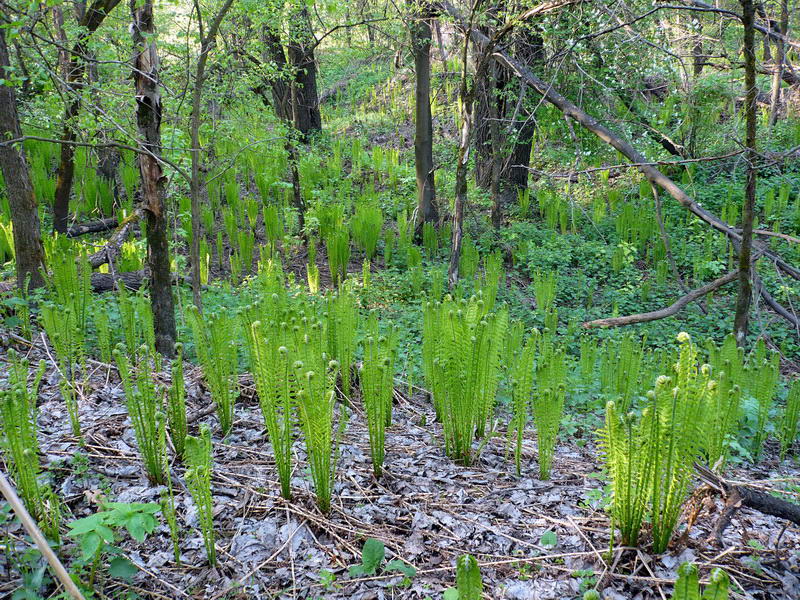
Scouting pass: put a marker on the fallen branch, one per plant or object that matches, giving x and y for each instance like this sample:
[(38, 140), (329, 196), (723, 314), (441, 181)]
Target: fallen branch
[(740, 495), (92, 227), (111, 250), (107, 282), (664, 312)]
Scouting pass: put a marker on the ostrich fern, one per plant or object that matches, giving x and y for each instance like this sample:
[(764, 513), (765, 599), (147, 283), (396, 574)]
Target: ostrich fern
[(198, 479), (791, 415), (176, 403), (522, 380), (377, 386), (548, 407), (342, 329)]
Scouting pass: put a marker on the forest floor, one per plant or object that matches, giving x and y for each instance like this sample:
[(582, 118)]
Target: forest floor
[(425, 509)]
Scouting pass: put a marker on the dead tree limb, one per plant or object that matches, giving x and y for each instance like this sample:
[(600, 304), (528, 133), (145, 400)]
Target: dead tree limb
[(114, 245), (92, 227), (740, 495), (107, 282), (664, 312)]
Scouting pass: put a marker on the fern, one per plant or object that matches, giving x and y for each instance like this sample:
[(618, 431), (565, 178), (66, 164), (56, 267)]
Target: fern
[(198, 479), (67, 340), (544, 289), (103, 326), (522, 381), (315, 376), (548, 407), (143, 403), (342, 329), (271, 367), (791, 415), (215, 343), (687, 587), (588, 358), (468, 578), (176, 403), (763, 377), (366, 224), (19, 435), (337, 243), (377, 387)]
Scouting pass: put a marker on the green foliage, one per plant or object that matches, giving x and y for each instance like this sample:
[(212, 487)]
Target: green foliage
[(468, 261), (366, 224), (67, 340), (315, 376), (337, 243), (176, 403), (461, 355), (271, 366), (621, 369), (102, 326), (198, 478), (468, 578), (20, 441), (687, 587), (377, 387), (522, 371), (143, 402), (136, 317), (544, 288), (342, 329), (215, 343), (763, 377), (791, 414), (548, 406), (372, 555)]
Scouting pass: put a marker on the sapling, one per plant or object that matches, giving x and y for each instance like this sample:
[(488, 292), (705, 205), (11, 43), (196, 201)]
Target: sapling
[(198, 479)]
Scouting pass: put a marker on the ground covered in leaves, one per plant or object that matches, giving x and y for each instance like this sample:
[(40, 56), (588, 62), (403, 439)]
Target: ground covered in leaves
[(533, 539)]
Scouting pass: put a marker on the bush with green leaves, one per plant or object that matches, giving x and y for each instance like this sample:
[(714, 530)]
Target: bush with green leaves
[(462, 350), (271, 365), (377, 387), (20, 440), (215, 344), (366, 225), (315, 377), (548, 405), (198, 479), (176, 403), (143, 402), (342, 327)]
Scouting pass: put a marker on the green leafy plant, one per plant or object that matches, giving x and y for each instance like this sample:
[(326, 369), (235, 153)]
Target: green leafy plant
[(144, 403), (366, 224), (461, 354), (67, 340), (372, 556), (102, 325), (687, 587), (763, 377), (215, 343), (548, 406), (469, 584), (337, 243), (198, 478), (522, 380), (791, 415), (176, 403), (342, 329), (544, 288), (271, 366), (377, 387), (315, 376)]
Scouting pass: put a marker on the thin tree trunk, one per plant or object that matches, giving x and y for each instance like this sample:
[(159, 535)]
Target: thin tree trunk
[(274, 53), (28, 249), (745, 294), (780, 57), (423, 136), (89, 21), (148, 120), (207, 42)]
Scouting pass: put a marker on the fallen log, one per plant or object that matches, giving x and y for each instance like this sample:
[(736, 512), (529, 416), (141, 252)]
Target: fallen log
[(107, 282), (669, 311), (111, 250), (739, 495), (92, 227)]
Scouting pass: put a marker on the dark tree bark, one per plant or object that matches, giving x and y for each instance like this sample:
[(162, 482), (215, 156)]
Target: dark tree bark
[(305, 100), (89, 21), (207, 42), (275, 54), (28, 248), (743, 300), (423, 136), (148, 120)]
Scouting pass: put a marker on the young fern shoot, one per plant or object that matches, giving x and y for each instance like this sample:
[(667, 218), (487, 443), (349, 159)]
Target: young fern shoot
[(522, 379), (198, 479), (176, 403), (548, 407)]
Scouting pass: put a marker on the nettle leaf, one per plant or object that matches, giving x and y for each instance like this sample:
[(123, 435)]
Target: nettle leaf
[(451, 594), (372, 555), (399, 565), (122, 567), (85, 525), (90, 544), (549, 539)]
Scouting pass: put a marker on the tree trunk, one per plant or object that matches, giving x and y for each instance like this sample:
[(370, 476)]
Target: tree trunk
[(207, 42), (148, 120), (743, 300), (274, 53), (305, 100), (423, 136), (89, 21), (28, 249), (780, 57)]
